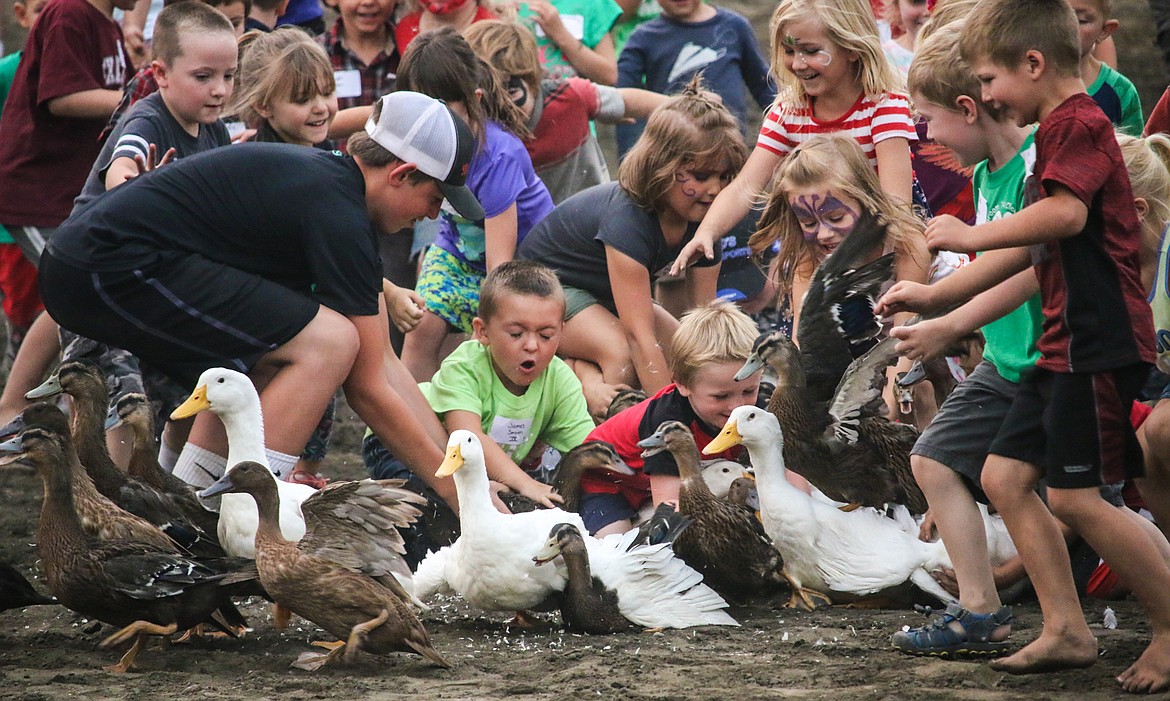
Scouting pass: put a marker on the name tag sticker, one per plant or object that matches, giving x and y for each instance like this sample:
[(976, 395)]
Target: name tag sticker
[(574, 23), (349, 83), (510, 432)]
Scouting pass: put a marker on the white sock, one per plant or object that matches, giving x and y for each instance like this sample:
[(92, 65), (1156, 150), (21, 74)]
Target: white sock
[(281, 464), (167, 457), (199, 467)]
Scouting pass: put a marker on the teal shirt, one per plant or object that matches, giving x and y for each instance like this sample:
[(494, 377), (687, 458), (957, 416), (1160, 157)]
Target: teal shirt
[(587, 20), (7, 73), (1011, 339), (1118, 99)]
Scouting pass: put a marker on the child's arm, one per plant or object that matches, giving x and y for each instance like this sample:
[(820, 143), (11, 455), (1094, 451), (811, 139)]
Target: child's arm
[(500, 237), (894, 169), (755, 70), (702, 285), (402, 419), (630, 281), (980, 274), (97, 103), (125, 168), (500, 467), (349, 121), (1059, 215), (640, 103), (664, 488), (729, 207), (932, 337)]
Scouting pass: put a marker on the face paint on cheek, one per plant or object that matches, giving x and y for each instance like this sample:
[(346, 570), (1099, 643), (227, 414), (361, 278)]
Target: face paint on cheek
[(805, 209), (832, 204), (443, 7), (517, 91), (818, 208), (688, 185)]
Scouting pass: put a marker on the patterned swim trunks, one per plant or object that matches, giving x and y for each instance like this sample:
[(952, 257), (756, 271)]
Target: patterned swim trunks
[(450, 288)]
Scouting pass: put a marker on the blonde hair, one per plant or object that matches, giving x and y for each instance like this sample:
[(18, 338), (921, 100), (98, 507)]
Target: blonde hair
[(713, 333), (285, 64), (941, 76), (692, 129), (832, 161), (1004, 31), (945, 12), (847, 23), (508, 46), (1148, 161)]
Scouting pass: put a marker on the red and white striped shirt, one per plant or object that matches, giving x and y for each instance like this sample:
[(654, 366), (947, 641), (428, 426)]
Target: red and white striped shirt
[(868, 122)]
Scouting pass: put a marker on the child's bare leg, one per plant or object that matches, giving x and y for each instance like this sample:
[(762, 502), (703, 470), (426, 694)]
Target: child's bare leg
[(596, 335), (1066, 641), (599, 394), (37, 354), (422, 346), (960, 525), (1154, 435), (1125, 546)]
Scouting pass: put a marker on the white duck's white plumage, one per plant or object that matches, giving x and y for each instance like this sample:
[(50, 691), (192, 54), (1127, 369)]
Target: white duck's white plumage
[(233, 398), (719, 474), (654, 588), (490, 564), (826, 549)]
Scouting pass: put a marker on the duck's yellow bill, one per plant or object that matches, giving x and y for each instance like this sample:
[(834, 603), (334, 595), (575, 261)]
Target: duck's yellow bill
[(727, 438), (196, 403), (452, 462)]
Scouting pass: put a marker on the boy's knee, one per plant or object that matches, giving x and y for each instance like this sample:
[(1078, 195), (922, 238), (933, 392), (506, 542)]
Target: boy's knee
[(931, 473)]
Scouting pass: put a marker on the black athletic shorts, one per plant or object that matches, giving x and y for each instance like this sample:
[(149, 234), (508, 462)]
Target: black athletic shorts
[(182, 315)]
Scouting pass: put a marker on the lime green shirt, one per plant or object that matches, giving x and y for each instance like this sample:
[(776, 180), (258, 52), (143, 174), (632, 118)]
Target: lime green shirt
[(552, 409), (1011, 340)]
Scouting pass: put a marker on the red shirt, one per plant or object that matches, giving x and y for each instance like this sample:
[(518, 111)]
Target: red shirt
[(45, 159), (1096, 316), (636, 423), (407, 28)]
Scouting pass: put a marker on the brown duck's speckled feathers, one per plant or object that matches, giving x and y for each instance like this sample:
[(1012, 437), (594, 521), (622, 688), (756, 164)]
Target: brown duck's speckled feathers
[(98, 515), (594, 455), (135, 411), (86, 385), (16, 591), (117, 582), (319, 578), (852, 452), (724, 542)]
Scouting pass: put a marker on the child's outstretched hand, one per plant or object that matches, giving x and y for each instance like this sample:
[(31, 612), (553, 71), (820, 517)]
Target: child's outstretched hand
[(701, 244), (541, 493), (905, 296), (548, 18), (947, 233), (927, 339), (405, 306), (152, 161)]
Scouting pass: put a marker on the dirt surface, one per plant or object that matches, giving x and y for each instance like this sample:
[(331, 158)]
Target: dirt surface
[(51, 653)]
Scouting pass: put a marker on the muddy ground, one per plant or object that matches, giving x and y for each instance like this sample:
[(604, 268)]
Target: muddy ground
[(51, 653)]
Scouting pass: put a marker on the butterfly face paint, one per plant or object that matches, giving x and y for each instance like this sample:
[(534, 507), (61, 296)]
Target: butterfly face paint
[(517, 91), (825, 219), (811, 55)]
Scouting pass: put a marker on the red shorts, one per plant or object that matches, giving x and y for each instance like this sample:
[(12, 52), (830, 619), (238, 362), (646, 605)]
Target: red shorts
[(18, 284)]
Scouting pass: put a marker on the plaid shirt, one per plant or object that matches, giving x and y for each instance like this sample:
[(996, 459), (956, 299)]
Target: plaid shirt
[(378, 78), (141, 85)]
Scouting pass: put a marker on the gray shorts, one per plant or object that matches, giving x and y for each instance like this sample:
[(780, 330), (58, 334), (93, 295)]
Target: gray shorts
[(968, 421), (31, 239), (577, 300)]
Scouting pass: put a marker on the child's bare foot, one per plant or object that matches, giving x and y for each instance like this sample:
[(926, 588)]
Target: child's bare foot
[(1050, 653), (1151, 673)]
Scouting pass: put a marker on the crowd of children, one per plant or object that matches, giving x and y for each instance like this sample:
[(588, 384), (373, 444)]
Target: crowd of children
[(457, 193)]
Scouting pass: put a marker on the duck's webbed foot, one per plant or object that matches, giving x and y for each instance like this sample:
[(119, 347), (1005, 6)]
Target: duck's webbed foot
[(522, 619), (138, 630), (808, 599), (358, 634), (312, 661)]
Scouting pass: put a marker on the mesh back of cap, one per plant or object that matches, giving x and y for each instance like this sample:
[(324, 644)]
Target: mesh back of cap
[(431, 141)]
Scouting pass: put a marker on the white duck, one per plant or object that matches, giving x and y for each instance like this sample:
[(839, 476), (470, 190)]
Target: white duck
[(233, 398), (491, 563), (826, 549), (615, 583)]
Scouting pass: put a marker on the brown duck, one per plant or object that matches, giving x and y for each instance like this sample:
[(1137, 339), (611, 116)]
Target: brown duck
[(724, 541), (594, 455), (368, 613), (143, 589)]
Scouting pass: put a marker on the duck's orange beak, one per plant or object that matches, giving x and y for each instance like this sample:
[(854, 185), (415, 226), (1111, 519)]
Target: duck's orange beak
[(196, 403), (727, 438), (452, 462)]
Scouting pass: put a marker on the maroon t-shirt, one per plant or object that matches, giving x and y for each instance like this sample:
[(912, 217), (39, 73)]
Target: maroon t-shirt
[(1095, 312), (44, 159)]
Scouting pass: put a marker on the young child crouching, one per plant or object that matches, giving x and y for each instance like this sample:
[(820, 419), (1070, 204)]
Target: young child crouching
[(710, 346)]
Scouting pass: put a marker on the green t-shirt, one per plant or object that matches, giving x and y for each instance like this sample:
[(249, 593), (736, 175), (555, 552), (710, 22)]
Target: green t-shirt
[(1118, 98), (1011, 340), (552, 410), (648, 10), (587, 20), (7, 73)]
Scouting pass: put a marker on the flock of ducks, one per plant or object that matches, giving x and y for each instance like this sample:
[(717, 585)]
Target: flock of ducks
[(143, 551)]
